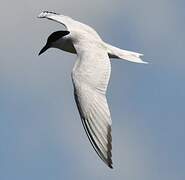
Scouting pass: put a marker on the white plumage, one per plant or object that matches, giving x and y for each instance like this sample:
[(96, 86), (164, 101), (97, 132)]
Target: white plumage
[(90, 77)]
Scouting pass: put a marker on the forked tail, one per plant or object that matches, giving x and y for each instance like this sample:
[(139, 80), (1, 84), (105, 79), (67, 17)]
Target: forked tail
[(115, 52)]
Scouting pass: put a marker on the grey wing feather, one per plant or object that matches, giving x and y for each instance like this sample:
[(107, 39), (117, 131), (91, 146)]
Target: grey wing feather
[(95, 118)]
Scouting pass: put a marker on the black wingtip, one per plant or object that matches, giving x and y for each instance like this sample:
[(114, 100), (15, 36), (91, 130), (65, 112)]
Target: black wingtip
[(110, 166), (109, 163), (109, 147), (51, 12)]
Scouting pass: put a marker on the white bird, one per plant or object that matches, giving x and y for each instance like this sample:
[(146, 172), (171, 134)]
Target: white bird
[(90, 77)]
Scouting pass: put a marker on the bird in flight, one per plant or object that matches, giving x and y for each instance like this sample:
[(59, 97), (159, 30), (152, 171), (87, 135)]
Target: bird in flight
[(90, 77)]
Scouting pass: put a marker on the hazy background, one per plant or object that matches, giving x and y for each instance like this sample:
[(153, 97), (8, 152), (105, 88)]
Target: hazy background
[(41, 136)]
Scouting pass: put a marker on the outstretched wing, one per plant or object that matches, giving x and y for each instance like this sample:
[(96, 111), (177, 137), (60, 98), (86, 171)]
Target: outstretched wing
[(64, 20), (69, 23), (90, 78)]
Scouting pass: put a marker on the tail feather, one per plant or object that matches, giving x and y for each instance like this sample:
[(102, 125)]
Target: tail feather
[(115, 52)]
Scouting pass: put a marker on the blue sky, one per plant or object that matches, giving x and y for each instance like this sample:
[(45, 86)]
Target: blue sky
[(41, 135)]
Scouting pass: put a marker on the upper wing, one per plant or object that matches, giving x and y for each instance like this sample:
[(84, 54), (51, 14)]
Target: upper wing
[(68, 22), (90, 78), (65, 20)]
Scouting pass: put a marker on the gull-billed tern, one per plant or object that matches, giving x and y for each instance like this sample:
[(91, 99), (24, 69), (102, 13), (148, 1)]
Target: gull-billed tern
[(90, 77)]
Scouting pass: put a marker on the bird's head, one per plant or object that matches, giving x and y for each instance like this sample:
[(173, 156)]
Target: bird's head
[(52, 40)]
